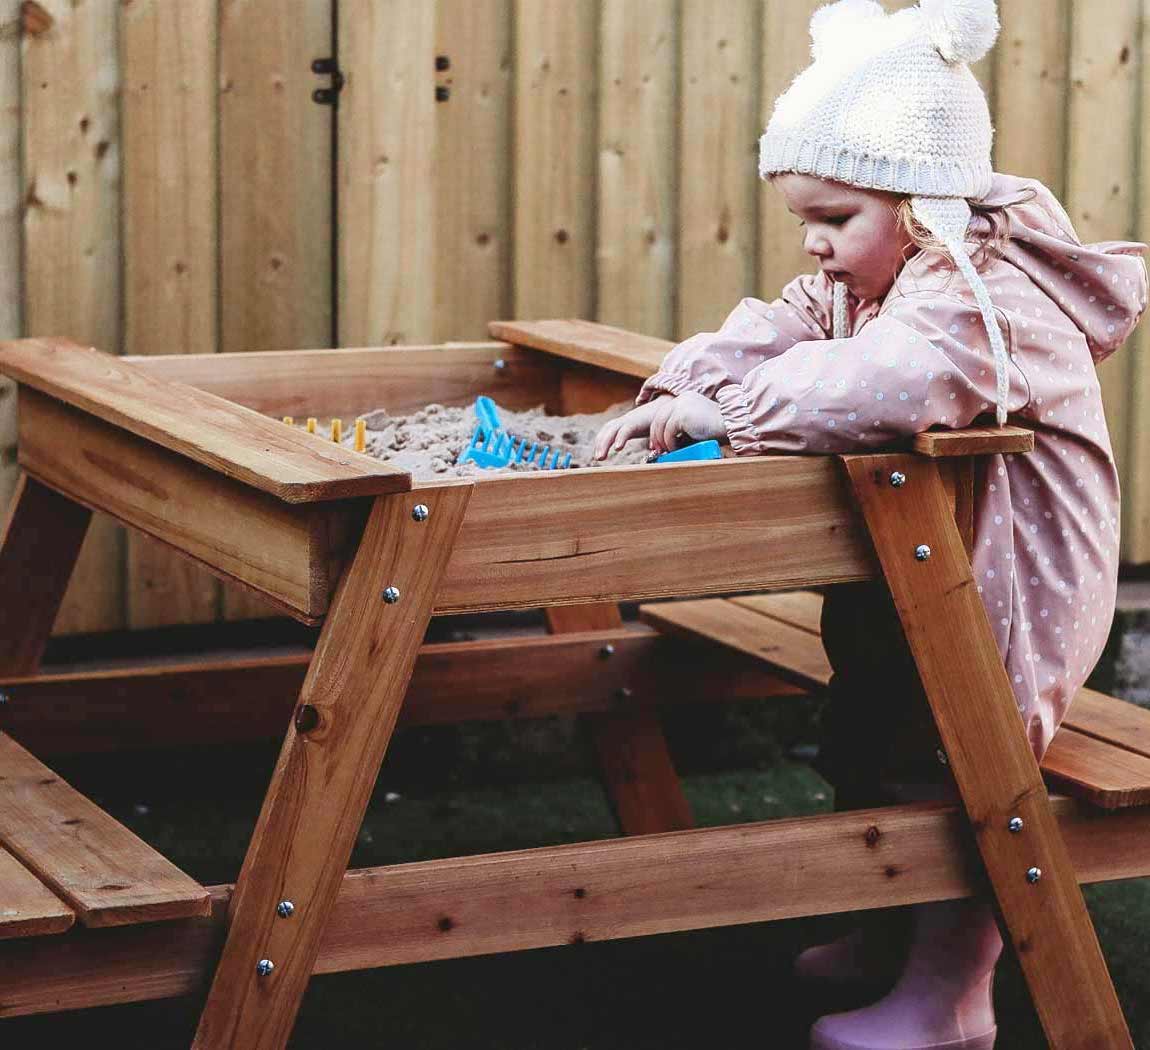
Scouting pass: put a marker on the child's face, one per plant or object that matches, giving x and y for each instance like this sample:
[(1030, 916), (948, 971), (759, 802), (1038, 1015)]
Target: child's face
[(855, 234)]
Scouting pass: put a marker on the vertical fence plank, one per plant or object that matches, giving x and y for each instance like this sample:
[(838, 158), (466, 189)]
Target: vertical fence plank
[(1136, 494), (276, 180), (638, 67), (472, 168), (1100, 176), (10, 253), (386, 172), (70, 76), (556, 46), (718, 161), (168, 109), (786, 51), (1031, 69)]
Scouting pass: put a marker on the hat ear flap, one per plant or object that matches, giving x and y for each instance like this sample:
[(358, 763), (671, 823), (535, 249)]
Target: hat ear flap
[(832, 24), (960, 30)]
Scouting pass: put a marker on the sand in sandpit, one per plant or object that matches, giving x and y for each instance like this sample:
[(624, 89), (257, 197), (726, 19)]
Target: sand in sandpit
[(427, 443)]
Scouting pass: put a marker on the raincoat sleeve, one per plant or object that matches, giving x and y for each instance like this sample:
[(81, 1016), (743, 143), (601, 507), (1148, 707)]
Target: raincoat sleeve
[(920, 363), (754, 332)]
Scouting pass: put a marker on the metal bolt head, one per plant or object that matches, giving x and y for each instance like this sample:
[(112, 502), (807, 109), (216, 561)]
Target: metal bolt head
[(391, 595), (499, 364), (1033, 874), (941, 755), (264, 967), (624, 693), (607, 651), (897, 479), (1015, 824), (4, 697), (285, 909), (922, 552), (420, 512)]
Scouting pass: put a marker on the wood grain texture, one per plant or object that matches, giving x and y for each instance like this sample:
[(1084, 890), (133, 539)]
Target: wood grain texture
[(108, 875), (1101, 167), (290, 553), (973, 441), (41, 540), (553, 158), (801, 609), (786, 50), (11, 218), (977, 719), (615, 349), (718, 191), (348, 383), (1108, 776), (792, 652), (324, 777), (30, 909), (171, 165), (636, 215), (472, 200), (1108, 718), (222, 698), (289, 464), (1031, 72), (634, 760), (626, 533), (922, 845), (387, 215), (72, 244)]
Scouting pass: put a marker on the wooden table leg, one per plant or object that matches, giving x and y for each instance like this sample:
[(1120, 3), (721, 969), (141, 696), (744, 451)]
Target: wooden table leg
[(326, 771), (637, 770), (39, 546), (997, 775)]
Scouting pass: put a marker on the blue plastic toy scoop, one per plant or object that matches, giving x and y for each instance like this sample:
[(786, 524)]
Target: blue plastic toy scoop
[(699, 450)]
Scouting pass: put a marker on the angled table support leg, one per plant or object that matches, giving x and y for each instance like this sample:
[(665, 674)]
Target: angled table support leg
[(976, 714), (640, 778), (39, 546), (326, 771)]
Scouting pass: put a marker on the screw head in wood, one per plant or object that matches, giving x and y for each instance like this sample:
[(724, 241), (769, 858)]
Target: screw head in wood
[(499, 364), (264, 967), (420, 512), (607, 651), (285, 909), (1033, 874), (922, 552), (391, 595), (897, 479), (941, 755), (1015, 825)]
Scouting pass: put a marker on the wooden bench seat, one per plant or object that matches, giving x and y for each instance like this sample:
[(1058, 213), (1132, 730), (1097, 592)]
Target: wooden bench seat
[(1101, 753), (94, 867)]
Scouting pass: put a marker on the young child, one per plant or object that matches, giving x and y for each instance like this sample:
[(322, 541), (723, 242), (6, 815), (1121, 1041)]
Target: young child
[(945, 293)]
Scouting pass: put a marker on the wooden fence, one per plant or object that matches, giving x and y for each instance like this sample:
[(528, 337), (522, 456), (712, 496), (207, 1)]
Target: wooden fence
[(168, 185)]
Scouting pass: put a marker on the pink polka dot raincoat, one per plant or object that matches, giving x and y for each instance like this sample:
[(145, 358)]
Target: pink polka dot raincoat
[(1046, 524)]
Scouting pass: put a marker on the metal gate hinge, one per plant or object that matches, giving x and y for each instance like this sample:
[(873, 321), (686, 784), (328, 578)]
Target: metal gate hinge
[(328, 96)]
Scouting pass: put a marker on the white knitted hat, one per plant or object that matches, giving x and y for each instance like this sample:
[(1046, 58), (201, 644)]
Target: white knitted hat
[(889, 103)]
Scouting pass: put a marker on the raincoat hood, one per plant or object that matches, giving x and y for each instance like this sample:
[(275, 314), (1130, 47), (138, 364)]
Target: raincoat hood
[(1101, 287)]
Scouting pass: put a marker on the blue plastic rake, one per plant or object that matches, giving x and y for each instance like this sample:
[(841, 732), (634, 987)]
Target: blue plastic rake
[(492, 446)]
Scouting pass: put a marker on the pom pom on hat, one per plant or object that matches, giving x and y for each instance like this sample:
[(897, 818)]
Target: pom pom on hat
[(838, 21), (961, 30)]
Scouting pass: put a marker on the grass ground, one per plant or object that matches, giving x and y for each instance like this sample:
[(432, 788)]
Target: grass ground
[(456, 790)]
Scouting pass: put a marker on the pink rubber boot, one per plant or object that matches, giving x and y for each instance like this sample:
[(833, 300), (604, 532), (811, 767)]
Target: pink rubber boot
[(866, 956), (943, 999)]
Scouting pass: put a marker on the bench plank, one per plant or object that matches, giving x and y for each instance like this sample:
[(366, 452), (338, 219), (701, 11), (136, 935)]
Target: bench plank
[(792, 652), (28, 907), (802, 609), (975, 441), (588, 341), (1108, 776), (107, 874), (1118, 722)]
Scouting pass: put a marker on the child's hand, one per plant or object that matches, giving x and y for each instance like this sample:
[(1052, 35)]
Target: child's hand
[(689, 415), (636, 423)]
